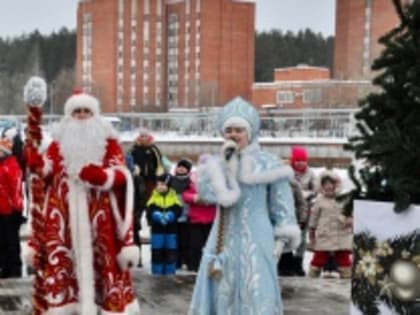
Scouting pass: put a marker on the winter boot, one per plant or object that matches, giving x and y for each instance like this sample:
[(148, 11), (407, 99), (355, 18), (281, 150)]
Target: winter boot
[(298, 266), (285, 267), (314, 272), (345, 272)]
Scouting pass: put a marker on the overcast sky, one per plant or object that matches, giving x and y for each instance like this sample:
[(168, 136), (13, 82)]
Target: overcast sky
[(24, 16)]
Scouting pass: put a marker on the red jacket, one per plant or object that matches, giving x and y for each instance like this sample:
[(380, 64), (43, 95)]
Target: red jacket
[(11, 193), (198, 212)]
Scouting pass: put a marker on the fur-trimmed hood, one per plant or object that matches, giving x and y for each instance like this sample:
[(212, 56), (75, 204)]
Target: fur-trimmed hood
[(334, 176)]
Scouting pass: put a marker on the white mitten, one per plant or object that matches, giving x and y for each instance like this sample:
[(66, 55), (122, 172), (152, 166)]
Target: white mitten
[(128, 257), (278, 249), (228, 148)]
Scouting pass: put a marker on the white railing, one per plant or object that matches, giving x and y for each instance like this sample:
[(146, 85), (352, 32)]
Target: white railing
[(312, 123)]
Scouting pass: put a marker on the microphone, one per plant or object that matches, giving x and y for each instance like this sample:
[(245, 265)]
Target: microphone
[(230, 147), (229, 152)]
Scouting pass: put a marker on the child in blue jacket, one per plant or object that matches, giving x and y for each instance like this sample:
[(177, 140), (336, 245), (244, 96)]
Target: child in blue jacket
[(163, 210)]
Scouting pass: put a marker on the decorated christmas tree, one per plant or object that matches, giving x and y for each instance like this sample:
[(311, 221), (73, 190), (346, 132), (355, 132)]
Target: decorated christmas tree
[(388, 123)]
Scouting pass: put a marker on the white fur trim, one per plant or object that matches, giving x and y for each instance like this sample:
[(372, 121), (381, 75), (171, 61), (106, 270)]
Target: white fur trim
[(238, 122), (131, 309), (128, 257), (110, 177), (47, 167), (220, 180), (249, 176), (81, 101), (123, 223), (81, 237), (290, 234), (68, 309), (28, 254)]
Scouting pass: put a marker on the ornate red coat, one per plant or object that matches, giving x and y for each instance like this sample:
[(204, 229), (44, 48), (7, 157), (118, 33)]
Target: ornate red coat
[(87, 240)]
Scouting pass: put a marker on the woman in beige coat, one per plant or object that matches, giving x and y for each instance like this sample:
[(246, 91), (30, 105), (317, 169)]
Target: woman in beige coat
[(330, 231)]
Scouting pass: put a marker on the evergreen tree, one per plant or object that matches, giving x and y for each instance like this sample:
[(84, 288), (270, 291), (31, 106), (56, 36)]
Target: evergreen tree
[(388, 143)]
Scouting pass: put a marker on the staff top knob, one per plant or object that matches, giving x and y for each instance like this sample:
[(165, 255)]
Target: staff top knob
[(35, 92)]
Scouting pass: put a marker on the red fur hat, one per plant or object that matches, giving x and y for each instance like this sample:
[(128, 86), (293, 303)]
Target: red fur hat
[(79, 99)]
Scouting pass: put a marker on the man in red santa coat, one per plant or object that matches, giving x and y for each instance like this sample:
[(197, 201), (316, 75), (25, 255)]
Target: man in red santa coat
[(87, 215)]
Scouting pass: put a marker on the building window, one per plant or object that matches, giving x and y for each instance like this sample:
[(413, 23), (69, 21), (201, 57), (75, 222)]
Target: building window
[(311, 96), (285, 97)]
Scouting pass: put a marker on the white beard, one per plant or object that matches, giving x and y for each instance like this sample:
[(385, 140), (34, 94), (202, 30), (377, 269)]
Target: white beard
[(82, 142)]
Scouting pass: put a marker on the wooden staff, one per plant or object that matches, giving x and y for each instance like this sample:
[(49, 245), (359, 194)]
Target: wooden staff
[(35, 94)]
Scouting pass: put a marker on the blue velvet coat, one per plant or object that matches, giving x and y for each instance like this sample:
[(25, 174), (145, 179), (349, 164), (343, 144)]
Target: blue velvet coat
[(259, 208)]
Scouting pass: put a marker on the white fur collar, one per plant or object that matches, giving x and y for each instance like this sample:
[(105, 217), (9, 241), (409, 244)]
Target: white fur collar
[(249, 175)]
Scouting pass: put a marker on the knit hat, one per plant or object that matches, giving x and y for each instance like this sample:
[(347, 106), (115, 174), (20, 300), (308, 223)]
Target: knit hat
[(185, 163), (79, 99), (164, 178), (6, 145), (298, 154)]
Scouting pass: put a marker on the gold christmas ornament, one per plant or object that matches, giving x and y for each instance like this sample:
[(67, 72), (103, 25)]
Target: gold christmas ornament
[(404, 276)]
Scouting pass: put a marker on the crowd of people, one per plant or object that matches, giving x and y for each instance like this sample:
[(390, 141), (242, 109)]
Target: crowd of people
[(238, 219)]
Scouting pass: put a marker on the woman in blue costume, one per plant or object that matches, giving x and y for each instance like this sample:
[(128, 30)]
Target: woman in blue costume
[(255, 221)]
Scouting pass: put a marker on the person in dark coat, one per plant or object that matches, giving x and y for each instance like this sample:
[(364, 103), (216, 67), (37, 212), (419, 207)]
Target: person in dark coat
[(145, 159), (180, 182)]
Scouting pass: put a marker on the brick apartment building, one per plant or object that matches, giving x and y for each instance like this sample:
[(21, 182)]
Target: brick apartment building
[(359, 24), (308, 87), (157, 55)]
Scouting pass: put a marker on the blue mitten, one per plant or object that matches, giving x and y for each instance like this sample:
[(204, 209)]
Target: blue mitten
[(158, 217), (170, 217)]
